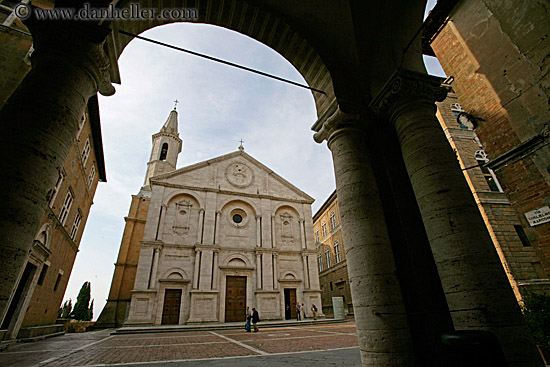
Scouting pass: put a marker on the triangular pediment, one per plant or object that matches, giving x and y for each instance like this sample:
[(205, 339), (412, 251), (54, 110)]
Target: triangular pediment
[(235, 172)]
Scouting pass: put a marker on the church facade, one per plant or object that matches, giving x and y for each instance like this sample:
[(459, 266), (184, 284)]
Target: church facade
[(220, 235)]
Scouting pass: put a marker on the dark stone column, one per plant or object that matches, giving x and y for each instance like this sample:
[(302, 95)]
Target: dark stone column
[(423, 295), (476, 287), (39, 122), (382, 325)]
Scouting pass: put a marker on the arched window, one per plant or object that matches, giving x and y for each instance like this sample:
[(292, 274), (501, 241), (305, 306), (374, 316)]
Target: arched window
[(163, 152)]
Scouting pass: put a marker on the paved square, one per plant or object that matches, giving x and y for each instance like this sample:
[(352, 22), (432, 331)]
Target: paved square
[(319, 345)]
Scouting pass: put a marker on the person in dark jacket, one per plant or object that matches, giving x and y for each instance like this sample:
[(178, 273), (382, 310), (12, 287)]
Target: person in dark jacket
[(255, 319), (248, 316)]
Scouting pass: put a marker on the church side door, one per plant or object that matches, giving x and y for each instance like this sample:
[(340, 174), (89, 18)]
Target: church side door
[(171, 308), (290, 303), (235, 299)]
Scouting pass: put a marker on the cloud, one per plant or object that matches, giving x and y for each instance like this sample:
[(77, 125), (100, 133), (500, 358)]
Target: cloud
[(219, 106)]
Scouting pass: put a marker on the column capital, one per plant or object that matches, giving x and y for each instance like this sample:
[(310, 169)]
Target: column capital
[(328, 124), (201, 210), (404, 88), (76, 44)]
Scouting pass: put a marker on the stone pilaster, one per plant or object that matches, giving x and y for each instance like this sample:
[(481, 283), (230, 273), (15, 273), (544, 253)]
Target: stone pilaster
[(302, 233), (384, 336), (200, 227), (155, 266), (40, 120), (258, 232), (475, 285), (216, 269), (259, 270), (273, 233), (160, 225), (218, 225), (196, 269), (306, 272), (275, 271)]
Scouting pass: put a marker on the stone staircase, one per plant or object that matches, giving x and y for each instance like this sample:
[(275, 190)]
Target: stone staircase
[(134, 329)]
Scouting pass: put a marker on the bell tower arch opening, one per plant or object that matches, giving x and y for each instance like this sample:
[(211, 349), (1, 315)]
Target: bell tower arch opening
[(163, 152)]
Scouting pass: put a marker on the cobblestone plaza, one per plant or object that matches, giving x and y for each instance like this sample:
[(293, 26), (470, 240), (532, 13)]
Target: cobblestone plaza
[(320, 345)]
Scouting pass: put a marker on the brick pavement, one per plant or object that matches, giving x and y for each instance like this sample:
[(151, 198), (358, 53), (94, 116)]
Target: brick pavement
[(322, 345)]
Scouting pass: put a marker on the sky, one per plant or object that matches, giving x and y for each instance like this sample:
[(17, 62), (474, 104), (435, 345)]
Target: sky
[(218, 106)]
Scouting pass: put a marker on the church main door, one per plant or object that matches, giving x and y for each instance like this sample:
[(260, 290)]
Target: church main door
[(171, 308), (290, 303), (235, 299)]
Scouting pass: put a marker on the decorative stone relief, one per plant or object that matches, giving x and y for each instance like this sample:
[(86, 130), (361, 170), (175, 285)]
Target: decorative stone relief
[(183, 214), (238, 174), (286, 226)]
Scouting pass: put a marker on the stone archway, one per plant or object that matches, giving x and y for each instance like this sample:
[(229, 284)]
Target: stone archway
[(266, 27)]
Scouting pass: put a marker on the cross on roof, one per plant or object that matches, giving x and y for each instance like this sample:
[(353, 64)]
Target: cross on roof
[(176, 103), (241, 148)]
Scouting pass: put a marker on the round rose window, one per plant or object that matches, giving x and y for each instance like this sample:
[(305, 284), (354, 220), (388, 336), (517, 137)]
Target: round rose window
[(237, 218)]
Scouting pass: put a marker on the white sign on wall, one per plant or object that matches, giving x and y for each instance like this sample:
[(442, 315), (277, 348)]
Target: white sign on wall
[(338, 307), (538, 216)]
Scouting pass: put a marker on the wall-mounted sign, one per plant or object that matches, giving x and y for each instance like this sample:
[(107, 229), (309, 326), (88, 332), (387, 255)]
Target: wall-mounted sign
[(538, 216)]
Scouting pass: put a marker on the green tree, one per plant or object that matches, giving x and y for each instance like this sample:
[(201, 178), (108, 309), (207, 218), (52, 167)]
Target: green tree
[(91, 311), (65, 310), (536, 310), (81, 309)]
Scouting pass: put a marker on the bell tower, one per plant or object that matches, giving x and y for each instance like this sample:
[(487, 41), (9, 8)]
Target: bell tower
[(166, 147)]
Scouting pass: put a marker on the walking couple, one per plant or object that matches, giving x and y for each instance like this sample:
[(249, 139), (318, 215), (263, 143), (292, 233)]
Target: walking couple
[(252, 317)]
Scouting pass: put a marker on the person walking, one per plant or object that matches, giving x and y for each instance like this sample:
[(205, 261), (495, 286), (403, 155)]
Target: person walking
[(248, 316), (255, 319), (303, 311), (298, 312), (314, 310)]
